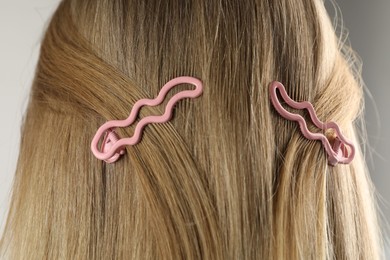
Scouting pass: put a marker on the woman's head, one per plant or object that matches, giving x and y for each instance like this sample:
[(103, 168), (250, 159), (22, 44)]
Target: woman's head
[(226, 178)]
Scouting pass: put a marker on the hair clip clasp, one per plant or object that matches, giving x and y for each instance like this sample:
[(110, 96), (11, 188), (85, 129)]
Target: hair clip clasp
[(341, 151), (113, 147)]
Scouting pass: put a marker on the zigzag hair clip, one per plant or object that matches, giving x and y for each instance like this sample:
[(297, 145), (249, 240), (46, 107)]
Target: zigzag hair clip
[(338, 152), (113, 147)]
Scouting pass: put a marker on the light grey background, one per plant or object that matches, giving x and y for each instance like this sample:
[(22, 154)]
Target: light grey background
[(22, 23)]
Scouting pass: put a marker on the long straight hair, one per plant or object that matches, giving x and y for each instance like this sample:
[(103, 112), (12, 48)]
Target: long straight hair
[(226, 178)]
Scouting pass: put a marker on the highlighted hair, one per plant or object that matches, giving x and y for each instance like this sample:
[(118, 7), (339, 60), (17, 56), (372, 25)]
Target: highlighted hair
[(226, 178)]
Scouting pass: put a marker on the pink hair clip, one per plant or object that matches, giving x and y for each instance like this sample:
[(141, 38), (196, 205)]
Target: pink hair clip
[(112, 147), (338, 153)]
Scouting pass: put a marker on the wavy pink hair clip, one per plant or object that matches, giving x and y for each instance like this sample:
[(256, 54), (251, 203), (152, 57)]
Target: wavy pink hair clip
[(338, 153), (113, 147)]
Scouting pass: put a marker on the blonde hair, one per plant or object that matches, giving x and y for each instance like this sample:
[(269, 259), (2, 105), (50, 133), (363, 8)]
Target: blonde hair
[(226, 178)]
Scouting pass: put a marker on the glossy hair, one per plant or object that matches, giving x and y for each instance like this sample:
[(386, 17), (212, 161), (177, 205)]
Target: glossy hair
[(227, 177)]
